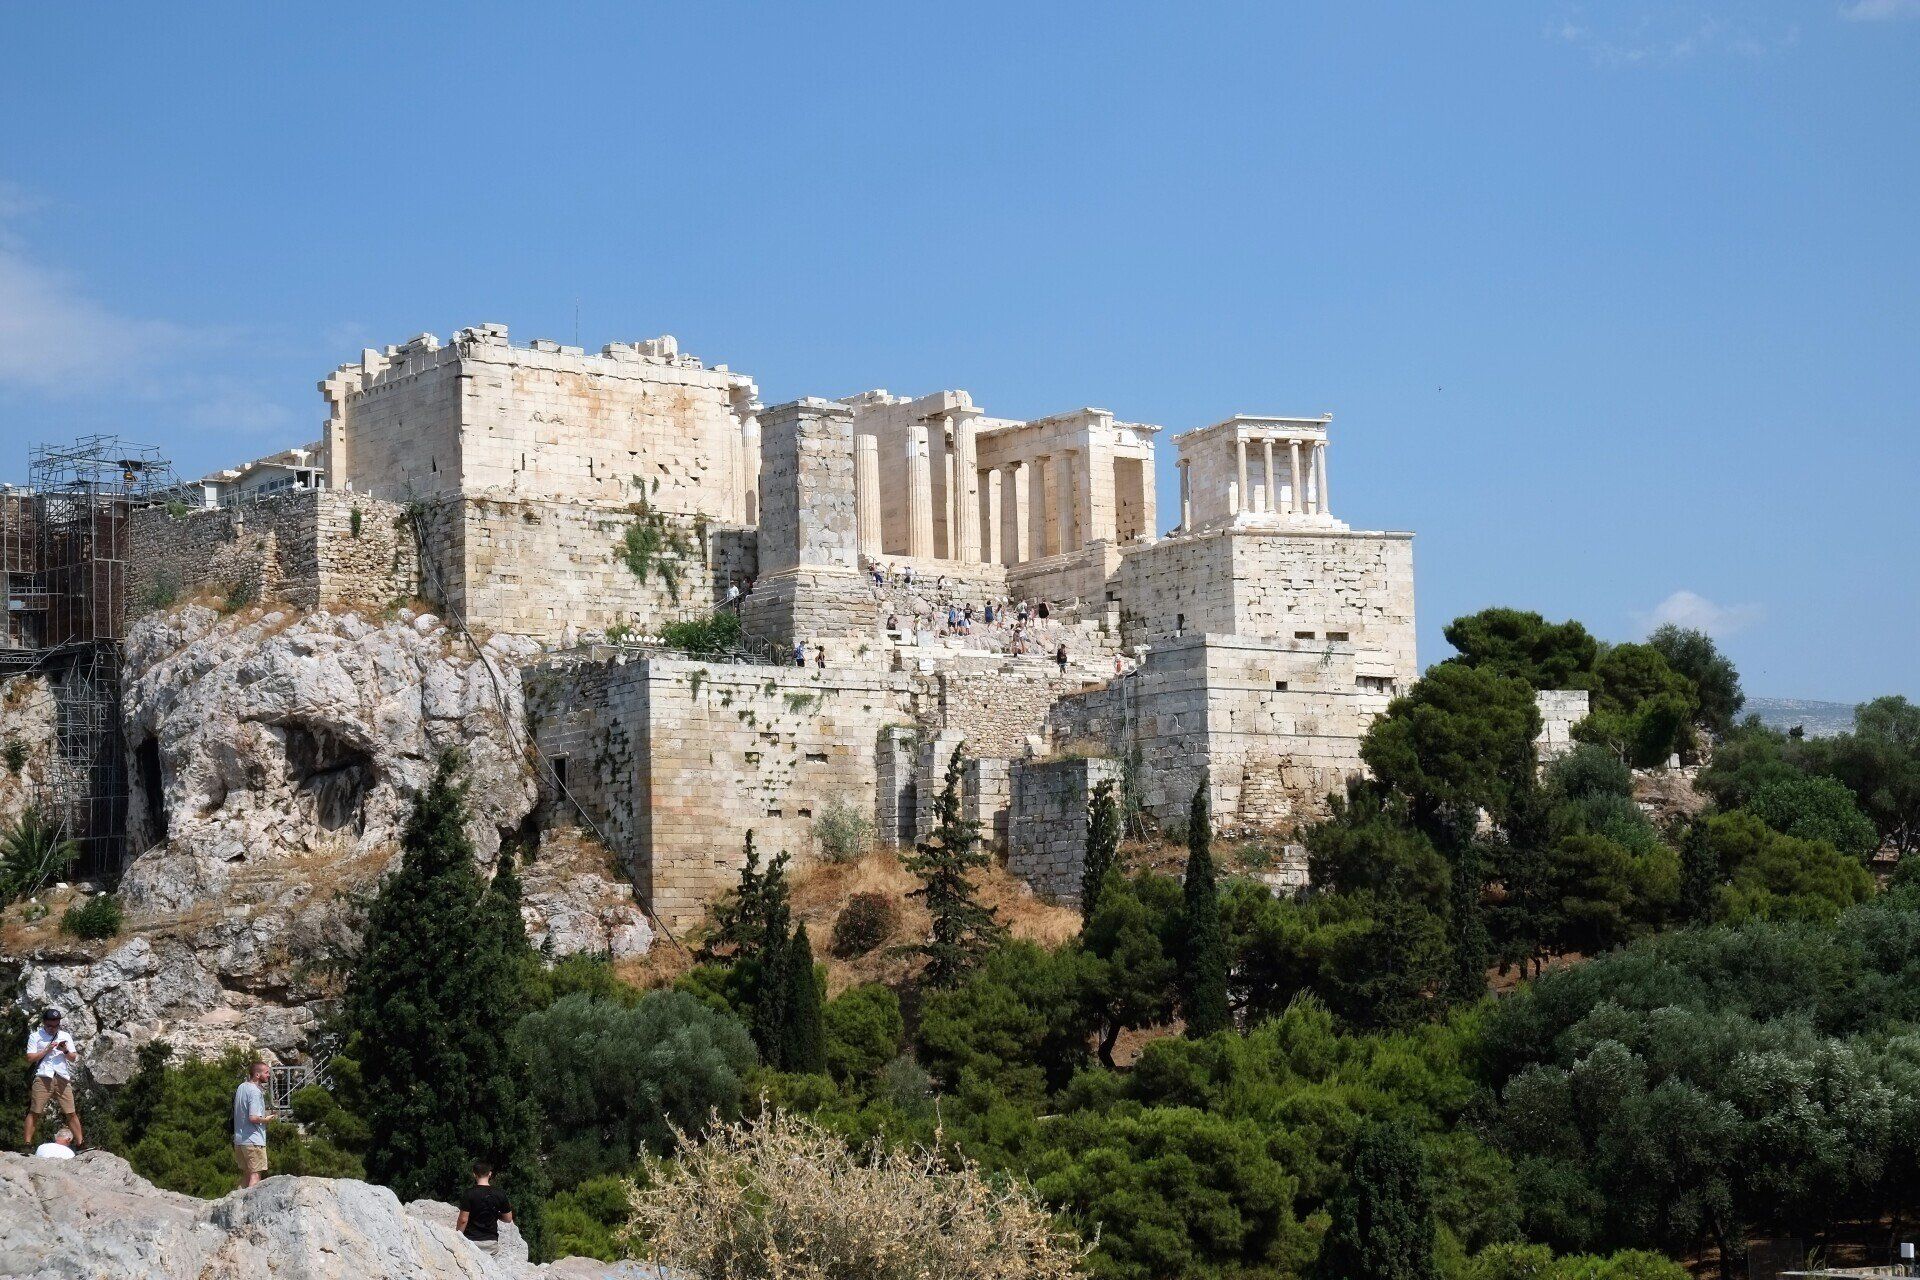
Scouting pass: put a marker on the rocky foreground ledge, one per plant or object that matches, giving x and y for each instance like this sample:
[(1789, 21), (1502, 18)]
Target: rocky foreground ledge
[(93, 1218)]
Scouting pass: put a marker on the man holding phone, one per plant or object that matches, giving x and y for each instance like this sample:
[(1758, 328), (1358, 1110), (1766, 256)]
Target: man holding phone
[(52, 1053)]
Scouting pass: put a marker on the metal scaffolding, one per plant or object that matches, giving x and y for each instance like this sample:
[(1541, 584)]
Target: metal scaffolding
[(63, 550)]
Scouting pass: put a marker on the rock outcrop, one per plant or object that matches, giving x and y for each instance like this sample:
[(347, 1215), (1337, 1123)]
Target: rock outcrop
[(93, 1218), (26, 741), (259, 737), (275, 756)]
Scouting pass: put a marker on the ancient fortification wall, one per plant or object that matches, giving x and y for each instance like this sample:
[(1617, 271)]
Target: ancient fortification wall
[(552, 570), (1318, 586), (637, 422), (317, 549), (679, 759)]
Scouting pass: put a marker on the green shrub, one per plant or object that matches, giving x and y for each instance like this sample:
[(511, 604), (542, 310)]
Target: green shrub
[(353, 522), (626, 1076), (165, 590), (706, 637), (867, 920), (844, 830), (96, 918), (33, 856), (864, 1029), (185, 1141), (584, 1221), (15, 755), (1816, 809)]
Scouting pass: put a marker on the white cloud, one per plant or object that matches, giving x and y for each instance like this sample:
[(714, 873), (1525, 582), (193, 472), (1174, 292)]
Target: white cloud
[(1880, 10), (1665, 36), (57, 340), (1697, 613)]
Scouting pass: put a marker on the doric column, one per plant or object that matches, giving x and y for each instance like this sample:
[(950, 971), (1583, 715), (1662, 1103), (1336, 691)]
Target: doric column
[(1186, 497), (1320, 477), (1063, 488), (919, 493), (990, 517), (1296, 500), (967, 501), (1037, 503), (1019, 521), (1241, 497), (949, 510), (866, 492), (1272, 504)]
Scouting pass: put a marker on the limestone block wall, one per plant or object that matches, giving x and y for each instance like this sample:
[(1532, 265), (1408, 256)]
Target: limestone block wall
[(686, 757), (1272, 728), (1323, 586), (553, 569), (1084, 578), (317, 549), (547, 422), (995, 711), (1560, 710), (1047, 821)]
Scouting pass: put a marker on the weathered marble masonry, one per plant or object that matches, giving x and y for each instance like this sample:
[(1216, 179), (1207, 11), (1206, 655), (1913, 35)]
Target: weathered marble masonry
[(586, 500)]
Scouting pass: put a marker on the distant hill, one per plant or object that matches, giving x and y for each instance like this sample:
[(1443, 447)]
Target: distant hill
[(1819, 719)]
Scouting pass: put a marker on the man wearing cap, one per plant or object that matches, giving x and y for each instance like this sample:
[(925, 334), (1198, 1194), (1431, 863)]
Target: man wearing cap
[(51, 1053)]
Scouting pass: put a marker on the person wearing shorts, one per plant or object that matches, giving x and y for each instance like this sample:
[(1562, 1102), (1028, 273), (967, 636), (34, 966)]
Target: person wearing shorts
[(250, 1126), (51, 1051)]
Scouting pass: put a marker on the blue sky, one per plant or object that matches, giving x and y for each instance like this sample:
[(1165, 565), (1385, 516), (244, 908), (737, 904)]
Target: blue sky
[(1616, 305)]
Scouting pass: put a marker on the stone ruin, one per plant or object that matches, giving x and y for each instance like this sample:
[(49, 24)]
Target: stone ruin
[(576, 504)]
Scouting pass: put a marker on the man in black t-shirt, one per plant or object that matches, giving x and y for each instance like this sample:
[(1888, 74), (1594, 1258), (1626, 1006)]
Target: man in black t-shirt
[(482, 1209)]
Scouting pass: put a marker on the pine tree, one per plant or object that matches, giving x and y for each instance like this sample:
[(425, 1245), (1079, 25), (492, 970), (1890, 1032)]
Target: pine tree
[(963, 929), (1103, 847), (435, 992), (742, 921), (1203, 975), (1382, 1221), (804, 1039)]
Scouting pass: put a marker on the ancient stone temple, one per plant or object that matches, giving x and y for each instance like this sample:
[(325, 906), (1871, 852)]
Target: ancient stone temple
[(580, 503)]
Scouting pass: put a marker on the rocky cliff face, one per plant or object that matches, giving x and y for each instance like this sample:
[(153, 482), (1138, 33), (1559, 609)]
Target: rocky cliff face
[(274, 758), (26, 740), (92, 1217)]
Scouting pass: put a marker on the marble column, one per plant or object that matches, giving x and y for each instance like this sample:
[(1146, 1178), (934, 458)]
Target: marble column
[(866, 493), (989, 516), (919, 494), (1320, 477), (1063, 487), (967, 476), (1272, 504), (1042, 466), (1186, 497), (1019, 522), (1296, 499), (750, 458), (1241, 495)]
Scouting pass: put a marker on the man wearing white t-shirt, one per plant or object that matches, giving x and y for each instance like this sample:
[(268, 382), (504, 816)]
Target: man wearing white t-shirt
[(61, 1148), (52, 1053)]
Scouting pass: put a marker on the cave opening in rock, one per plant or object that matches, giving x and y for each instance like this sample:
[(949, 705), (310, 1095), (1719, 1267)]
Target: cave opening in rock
[(330, 775), (146, 772)]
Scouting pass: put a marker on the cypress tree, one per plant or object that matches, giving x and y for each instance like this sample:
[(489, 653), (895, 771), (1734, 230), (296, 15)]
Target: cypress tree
[(1103, 847), (1699, 875), (1203, 974), (963, 929), (764, 961), (436, 989), (804, 1042), (1467, 925), (1382, 1220)]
